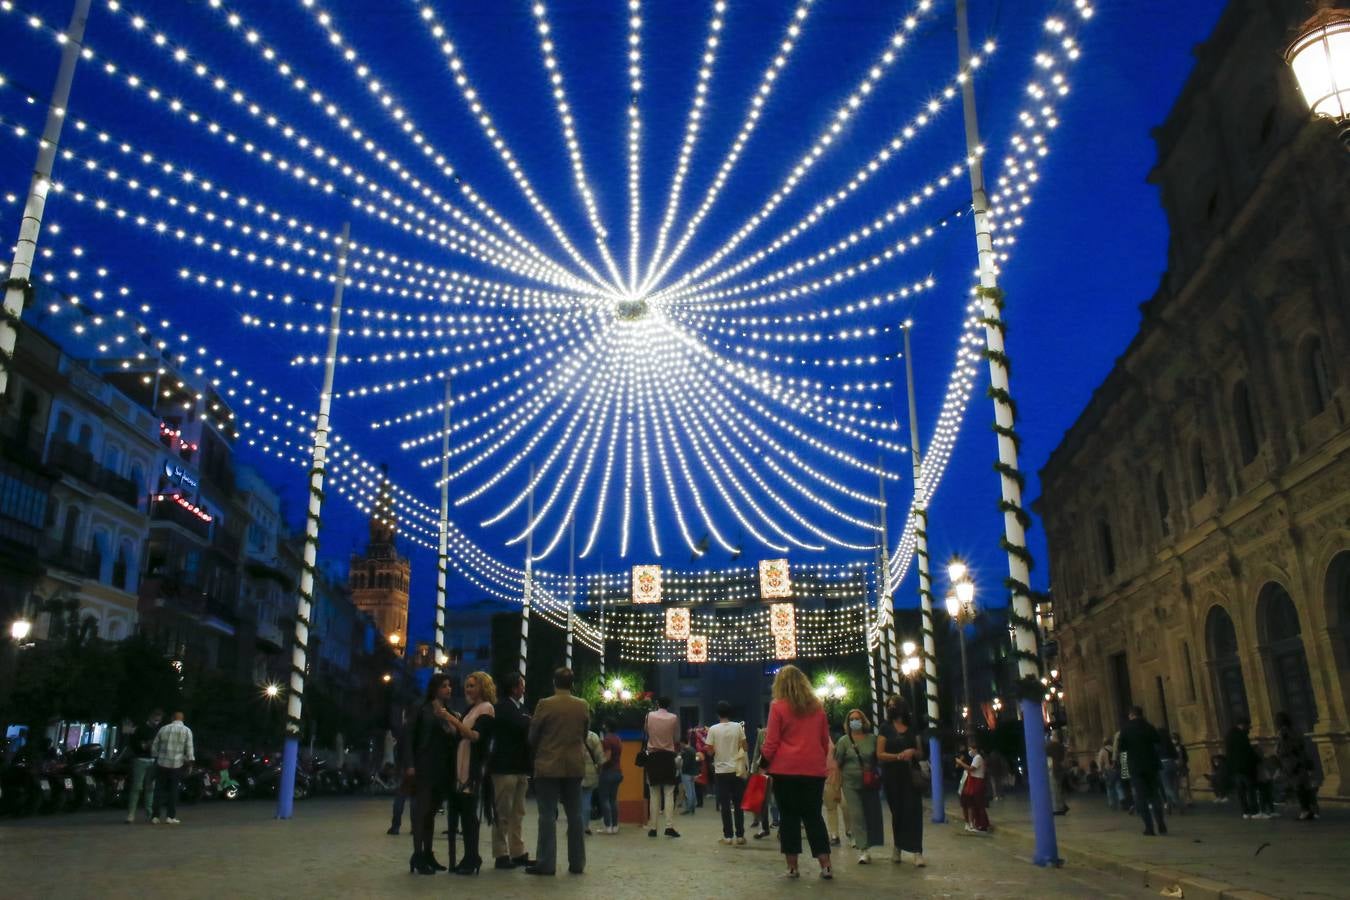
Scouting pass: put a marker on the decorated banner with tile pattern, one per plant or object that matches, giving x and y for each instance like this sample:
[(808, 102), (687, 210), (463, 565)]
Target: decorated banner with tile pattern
[(646, 584), (773, 579)]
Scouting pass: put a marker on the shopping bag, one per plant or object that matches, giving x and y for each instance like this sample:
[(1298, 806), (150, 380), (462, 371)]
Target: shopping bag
[(755, 790)]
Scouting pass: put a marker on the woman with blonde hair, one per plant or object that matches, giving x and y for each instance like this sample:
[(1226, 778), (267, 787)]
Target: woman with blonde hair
[(796, 747), (475, 733), (856, 754)]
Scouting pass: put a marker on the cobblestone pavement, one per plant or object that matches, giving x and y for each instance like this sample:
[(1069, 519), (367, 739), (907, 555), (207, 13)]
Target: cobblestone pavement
[(336, 847), (1209, 850)]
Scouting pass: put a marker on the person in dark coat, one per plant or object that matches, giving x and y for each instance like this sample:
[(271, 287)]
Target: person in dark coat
[(1139, 741), (509, 765), (1297, 764), (1242, 763), (426, 762)]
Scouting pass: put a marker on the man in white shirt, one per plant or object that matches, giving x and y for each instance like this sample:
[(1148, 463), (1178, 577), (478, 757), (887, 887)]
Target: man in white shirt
[(727, 740), (172, 748)]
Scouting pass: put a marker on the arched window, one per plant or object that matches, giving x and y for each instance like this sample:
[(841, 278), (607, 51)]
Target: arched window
[(1244, 421), (63, 423), (1338, 597), (1313, 375), (1107, 545), (1229, 688), (1291, 686), (1199, 471), (122, 566), (86, 438), (98, 552), (1160, 494), (116, 631), (112, 459), (70, 529)]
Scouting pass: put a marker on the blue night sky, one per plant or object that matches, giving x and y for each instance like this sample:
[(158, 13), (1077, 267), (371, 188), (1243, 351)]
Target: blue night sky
[(1092, 249)]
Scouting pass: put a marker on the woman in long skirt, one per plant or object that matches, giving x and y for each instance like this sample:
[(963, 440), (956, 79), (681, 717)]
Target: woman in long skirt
[(899, 753)]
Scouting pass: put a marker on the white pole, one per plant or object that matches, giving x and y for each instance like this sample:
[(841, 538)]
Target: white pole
[(1014, 516), (18, 286), (602, 617), (571, 589), (885, 603), (443, 547), (529, 581), (878, 703), (921, 547), (319, 461)]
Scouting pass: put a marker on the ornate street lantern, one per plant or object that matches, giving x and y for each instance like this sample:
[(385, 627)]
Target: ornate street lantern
[(1320, 58)]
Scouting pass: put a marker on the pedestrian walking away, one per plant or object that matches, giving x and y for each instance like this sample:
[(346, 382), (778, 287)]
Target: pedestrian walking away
[(856, 755), (611, 776), (900, 752), (974, 772), (173, 752), (509, 767), (427, 750), (662, 730), (475, 732), (594, 758), (730, 767), (557, 738), (1243, 761), (143, 771), (1296, 764), (1139, 742), (796, 745), (400, 798), (1055, 753)]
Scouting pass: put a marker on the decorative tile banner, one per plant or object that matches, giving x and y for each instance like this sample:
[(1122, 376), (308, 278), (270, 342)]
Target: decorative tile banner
[(696, 648), (677, 624), (782, 619), (773, 579), (785, 645), (646, 584)]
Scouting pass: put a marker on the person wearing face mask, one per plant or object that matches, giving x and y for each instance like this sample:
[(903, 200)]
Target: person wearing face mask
[(856, 754), (973, 788), (898, 749)]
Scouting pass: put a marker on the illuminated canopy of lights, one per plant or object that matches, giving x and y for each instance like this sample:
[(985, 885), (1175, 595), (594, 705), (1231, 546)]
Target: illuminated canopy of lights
[(738, 388)]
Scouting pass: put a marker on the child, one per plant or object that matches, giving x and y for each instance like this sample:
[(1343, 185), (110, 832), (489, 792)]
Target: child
[(973, 789)]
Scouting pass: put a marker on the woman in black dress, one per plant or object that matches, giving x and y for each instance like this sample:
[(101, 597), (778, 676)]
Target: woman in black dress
[(426, 764), (899, 752), (474, 730)]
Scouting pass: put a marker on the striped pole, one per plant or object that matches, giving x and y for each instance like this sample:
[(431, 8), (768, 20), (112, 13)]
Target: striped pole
[(1015, 518), (18, 289), (602, 618), (305, 598), (440, 657), (571, 589), (877, 702), (925, 593), (886, 606), (529, 580)]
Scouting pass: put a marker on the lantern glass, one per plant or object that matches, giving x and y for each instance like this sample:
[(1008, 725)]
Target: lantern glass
[(965, 592), (20, 629), (908, 648), (953, 606), (956, 570), (1320, 58)]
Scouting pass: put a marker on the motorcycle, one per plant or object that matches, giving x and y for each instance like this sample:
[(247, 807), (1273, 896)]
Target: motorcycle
[(227, 787), (81, 764), (25, 789)]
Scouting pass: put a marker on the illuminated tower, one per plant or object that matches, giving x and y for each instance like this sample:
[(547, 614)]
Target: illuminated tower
[(379, 579)]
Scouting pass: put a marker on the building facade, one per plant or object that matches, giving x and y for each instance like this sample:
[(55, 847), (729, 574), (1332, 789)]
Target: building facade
[(1198, 512), (379, 578)]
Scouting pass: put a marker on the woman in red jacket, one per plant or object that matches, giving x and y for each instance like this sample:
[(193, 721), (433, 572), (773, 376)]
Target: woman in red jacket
[(796, 747)]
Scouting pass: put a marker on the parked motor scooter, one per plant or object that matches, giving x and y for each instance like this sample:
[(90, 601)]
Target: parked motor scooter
[(25, 789), (80, 766)]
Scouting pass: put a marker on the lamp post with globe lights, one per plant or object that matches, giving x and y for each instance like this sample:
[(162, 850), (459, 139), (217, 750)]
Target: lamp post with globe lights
[(1320, 59), (961, 609), (911, 667), (832, 693)]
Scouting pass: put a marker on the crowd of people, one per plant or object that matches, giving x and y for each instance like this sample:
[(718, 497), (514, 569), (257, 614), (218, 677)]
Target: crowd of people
[(477, 764)]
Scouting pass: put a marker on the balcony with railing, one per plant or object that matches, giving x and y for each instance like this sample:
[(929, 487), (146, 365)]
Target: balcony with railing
[(170, 508), (74, 460), (75, 560)]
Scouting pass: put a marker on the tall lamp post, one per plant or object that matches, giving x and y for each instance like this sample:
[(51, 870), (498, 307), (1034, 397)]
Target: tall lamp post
[(1320, 59), (961, 608), (911, 667)]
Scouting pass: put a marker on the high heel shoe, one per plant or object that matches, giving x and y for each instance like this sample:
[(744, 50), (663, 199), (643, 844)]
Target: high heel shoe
[(418, 863), (469, 866), (434, 863)]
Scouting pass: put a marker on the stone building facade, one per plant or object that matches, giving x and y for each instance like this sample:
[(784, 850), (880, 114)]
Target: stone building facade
[(1198, 512)]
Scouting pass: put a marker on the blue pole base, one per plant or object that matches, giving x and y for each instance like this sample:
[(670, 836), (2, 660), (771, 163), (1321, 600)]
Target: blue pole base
[(935, 763), (1038, 783), (286, 789)]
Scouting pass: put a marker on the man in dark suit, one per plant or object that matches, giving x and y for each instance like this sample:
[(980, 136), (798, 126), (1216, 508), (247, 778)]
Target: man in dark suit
[(1139, 742), (509, 765), (558, 738)]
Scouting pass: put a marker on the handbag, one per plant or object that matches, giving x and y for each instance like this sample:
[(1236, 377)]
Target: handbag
[(756, 789), (920, 773), (871, 778), (742, 761)]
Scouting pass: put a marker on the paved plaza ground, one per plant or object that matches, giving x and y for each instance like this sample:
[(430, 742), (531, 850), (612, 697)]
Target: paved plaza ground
[(1211, 851), (336, 847)]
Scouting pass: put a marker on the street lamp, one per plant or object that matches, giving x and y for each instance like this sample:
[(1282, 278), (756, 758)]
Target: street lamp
[(961, 608), (1320, 58), (271, 691), (19, 629), (395, 639), (386, 678)]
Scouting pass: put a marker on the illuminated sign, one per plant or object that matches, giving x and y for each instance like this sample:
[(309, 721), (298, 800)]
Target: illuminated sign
[(180, 476)]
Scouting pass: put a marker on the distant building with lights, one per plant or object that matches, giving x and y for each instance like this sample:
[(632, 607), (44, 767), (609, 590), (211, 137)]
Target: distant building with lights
[(1198, 512), (379, 578)]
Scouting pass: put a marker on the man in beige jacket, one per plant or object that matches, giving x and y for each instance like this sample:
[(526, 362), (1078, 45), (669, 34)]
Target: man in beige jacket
[(558, 739)]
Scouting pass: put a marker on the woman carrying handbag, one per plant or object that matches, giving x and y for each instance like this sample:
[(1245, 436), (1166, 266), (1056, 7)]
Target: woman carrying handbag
[(899, 753), (856, 754)]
